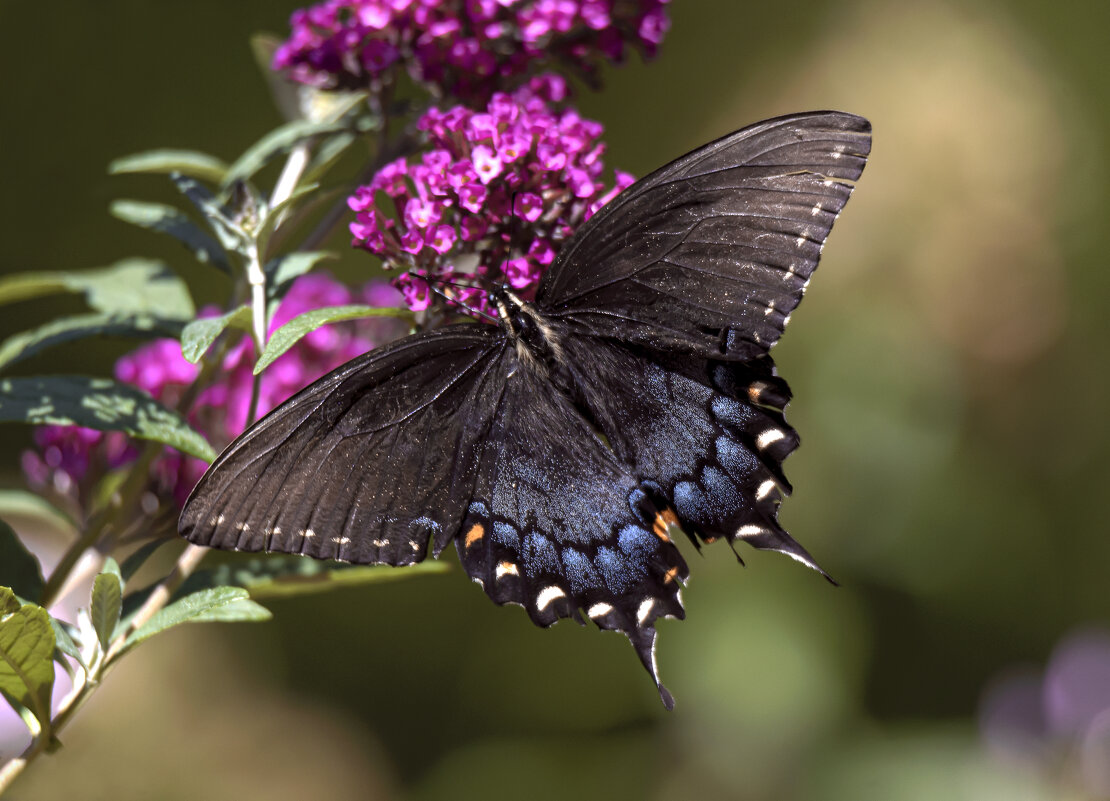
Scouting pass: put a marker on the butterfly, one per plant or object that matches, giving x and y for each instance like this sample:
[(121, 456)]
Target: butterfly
[(562, 448)]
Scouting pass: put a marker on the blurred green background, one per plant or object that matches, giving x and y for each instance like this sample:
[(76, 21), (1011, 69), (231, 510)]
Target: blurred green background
[(949, 369)]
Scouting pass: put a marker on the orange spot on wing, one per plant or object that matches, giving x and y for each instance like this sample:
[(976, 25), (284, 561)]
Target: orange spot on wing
[(662, 521), (670, 576), (477, 531)]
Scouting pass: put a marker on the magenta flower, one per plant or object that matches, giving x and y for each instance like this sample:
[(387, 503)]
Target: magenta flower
[(68, 459), (498, 191), (486, 162), (463, 48), (528, 206)]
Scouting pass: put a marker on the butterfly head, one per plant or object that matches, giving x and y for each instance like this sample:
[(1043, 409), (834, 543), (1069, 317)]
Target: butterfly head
[(536, 338)]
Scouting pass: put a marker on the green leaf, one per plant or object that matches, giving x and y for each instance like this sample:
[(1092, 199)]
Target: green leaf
[(25, 344), (98, 403), (220, 604), (27, 655), (323, 105), (24, 505), (199, 335), (327, 154), (28, 717), (136, 285), (104, 608), (186, 162), (25, 286), (279, 141), (19, 569), (282, 271), (277, 213), (280, 575), (231, 236), (170, 220), (64, 642), (290, 333), (9, 603), (111, 567), (130, 286)]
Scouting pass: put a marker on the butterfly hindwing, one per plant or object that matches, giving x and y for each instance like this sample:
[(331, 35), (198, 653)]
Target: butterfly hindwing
[(716, 246), (366, 465), (709, 435), (558, 525)]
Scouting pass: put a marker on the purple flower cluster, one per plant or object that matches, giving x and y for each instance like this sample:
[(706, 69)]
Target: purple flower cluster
[(494, 195), (464, 48), (68, 456), (1056, 721)]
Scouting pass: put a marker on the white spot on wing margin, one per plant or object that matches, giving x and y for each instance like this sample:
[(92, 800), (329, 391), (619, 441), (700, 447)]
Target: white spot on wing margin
[(768, 437), (599, 610), (547, 595)]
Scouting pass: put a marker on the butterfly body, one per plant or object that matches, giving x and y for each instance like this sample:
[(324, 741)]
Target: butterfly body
[(560, 448), (536, 339)]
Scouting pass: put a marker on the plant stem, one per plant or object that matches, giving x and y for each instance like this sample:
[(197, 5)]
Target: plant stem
[(184, 566), (182, 569), (291, 174), (256, 277)]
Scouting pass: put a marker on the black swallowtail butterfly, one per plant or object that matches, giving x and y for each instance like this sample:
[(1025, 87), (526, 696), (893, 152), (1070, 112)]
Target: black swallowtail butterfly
[(558, 449)]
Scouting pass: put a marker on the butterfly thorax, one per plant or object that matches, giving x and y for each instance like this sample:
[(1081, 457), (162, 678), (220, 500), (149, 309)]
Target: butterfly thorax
[(535, 337)]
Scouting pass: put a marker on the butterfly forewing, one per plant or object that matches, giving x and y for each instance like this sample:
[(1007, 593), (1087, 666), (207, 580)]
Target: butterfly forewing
[(716, 247), (366, 465)]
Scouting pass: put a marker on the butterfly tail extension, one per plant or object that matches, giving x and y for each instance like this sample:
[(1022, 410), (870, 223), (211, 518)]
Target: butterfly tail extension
[(751, 405), (623, 581)]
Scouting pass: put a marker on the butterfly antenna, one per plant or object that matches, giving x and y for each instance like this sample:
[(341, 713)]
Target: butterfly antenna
[(431, 282), (457, 282)]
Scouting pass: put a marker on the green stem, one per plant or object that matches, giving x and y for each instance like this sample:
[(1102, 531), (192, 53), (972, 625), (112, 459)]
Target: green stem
[(184, 566), (291, 173), (256, 277)]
